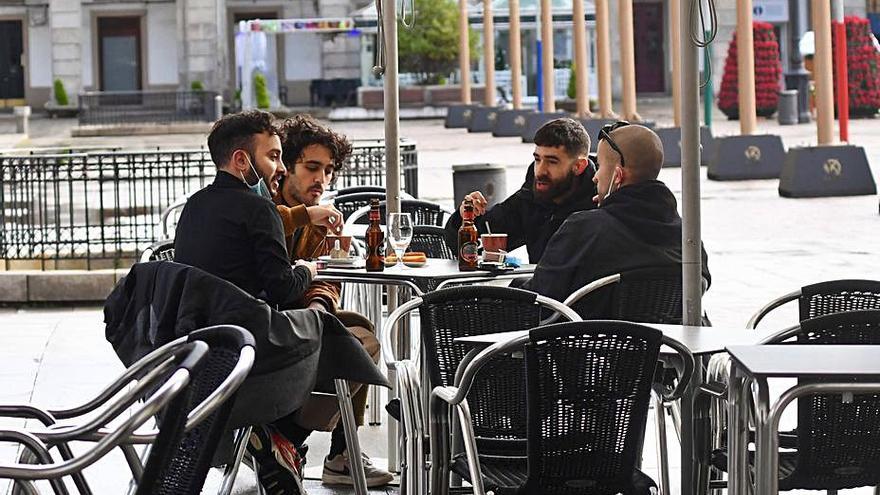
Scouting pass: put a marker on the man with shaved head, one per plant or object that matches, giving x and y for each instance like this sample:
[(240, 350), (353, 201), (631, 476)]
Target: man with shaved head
[(636, 225)]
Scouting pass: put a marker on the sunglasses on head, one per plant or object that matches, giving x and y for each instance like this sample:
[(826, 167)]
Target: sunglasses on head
[(605, 133)]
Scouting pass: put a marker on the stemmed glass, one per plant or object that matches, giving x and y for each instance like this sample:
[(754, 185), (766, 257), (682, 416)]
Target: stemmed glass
[(400, 232)]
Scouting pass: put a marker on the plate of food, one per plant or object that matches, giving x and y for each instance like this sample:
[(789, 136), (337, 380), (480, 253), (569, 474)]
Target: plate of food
[(349, 262), (412, 260)]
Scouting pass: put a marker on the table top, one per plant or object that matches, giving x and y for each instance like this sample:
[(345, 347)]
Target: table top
[(700, 340), (436, 270), (792, 360)]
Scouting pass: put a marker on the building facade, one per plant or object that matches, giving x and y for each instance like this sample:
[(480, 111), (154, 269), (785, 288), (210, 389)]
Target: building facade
[(167, 44), (113, 45)]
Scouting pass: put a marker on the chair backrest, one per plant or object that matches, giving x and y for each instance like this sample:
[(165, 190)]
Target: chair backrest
[(589, 386), (179, 460), (350, 203), (159, 251), (431, 240), (837, 296), (649, 295), (497, 397), (361, 189), (422, 212), (838, 441)]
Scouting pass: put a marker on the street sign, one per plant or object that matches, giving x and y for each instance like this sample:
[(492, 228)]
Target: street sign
[(770, 10)]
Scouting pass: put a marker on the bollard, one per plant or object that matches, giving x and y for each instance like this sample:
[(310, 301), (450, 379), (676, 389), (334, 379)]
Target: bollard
[(22, 116), (788, 107), (218, 107)]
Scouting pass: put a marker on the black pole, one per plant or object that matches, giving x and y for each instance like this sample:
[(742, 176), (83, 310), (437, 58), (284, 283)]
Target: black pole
[(797, 76)]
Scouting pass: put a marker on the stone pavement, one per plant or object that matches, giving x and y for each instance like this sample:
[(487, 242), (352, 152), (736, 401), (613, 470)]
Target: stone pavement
[(760, 246)]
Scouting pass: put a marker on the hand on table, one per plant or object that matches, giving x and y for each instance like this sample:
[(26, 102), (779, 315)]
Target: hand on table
[(480, 203), (326, 216), (312, 267)]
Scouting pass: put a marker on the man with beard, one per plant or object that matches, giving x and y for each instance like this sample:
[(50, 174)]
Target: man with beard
[(636, 225), (557, 184), (314, 155)]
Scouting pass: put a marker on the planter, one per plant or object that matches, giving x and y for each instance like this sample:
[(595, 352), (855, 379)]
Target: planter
[(55, 110)]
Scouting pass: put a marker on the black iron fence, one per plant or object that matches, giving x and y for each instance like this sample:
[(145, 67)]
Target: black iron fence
[(107, 205), (137, 107)]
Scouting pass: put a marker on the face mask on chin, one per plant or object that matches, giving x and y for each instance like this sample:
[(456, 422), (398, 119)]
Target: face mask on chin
[(260, 188), (610, 185)]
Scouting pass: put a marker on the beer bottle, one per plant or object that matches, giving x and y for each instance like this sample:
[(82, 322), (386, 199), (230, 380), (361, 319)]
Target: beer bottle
[(467, 239), (375, 240)]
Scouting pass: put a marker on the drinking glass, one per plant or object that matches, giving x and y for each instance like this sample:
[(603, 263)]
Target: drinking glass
[(400, 232)]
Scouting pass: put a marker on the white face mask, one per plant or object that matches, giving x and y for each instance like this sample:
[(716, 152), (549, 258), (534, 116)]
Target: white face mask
[(610, 185)]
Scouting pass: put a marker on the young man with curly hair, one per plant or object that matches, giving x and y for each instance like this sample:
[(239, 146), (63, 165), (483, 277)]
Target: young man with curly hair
[(313, 155)]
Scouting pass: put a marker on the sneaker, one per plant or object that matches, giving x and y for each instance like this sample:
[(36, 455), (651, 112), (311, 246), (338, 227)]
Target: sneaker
[(279, 464), (337, 471)]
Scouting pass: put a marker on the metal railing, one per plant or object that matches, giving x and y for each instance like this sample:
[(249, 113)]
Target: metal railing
[(107, 205), (139, 107)]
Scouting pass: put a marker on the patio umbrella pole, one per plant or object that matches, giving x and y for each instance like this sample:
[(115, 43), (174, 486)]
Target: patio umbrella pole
[(515, 55), (392, 157), (675, 35), (690, 173), (489, 54)]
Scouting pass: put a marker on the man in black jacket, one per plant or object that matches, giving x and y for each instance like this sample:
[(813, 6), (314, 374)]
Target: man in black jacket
[(636, 225), (557, 184), (232, 230)]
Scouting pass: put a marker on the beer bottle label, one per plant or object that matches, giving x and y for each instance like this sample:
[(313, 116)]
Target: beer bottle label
[(468, 252)]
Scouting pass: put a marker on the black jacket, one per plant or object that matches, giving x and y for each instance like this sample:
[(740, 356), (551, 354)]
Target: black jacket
[(228, 231), (638, 226), (297, 350), (524, 219)]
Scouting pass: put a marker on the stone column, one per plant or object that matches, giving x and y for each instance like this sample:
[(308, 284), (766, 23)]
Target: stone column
[(603, 56), (746, 67), (627, 59), (65, 22), (205, 42)]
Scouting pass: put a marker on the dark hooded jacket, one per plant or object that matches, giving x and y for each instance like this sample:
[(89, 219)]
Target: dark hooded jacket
[(297, 350), (526, 220), (638, 226)]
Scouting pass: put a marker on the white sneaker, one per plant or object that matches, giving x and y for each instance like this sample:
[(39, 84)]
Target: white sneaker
[(338, 472)]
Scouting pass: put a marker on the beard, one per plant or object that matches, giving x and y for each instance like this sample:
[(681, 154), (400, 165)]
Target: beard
[(556, 189)]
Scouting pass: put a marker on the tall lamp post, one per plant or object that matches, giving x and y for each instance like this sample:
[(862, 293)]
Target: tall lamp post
[(797, 76)]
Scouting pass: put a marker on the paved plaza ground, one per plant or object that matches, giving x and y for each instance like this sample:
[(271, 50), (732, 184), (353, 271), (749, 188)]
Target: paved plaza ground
[(760, 246)]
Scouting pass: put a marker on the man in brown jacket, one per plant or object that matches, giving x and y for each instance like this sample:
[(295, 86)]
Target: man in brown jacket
[(313, 154)]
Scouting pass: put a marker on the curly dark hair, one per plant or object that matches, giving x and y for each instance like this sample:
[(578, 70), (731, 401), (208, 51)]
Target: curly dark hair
[(565, 132), (302, 131), (236, 131)]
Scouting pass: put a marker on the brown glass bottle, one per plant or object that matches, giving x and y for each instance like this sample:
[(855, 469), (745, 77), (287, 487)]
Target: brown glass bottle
[(375, 240), (467, 239)]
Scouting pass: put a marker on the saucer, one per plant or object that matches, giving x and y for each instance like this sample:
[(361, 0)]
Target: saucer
[(350, 262)]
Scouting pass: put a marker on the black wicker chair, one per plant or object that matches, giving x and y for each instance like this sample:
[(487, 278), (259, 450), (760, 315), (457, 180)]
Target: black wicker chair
[(190, 427), (826, 298), (168, 386), (422, 212), (431, 240), (588, 389), (159, 251), (836, 444), (348, 204), (499, 394)]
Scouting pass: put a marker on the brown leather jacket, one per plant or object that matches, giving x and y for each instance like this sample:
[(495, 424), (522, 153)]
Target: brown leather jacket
[(304, 241)]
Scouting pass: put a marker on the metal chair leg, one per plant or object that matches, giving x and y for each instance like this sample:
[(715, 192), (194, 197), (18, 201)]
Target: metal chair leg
[(231, 472), (343, 394), (662, 444)]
